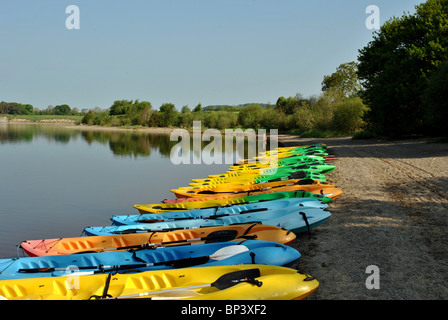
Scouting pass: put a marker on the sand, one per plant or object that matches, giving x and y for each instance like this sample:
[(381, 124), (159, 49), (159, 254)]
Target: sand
[(393, 214)]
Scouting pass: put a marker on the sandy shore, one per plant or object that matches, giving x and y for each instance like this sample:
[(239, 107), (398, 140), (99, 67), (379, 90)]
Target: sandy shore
[(393, 214)]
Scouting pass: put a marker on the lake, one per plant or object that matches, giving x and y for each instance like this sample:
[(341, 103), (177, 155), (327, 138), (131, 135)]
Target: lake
[(57, 180)]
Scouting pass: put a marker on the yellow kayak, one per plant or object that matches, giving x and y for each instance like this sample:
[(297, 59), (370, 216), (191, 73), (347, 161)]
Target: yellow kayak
[(318, 191), (234, 282), (281, 152)]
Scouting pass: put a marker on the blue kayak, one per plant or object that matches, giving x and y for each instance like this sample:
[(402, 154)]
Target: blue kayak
[(159, 258), (293, 219), (298, 203)]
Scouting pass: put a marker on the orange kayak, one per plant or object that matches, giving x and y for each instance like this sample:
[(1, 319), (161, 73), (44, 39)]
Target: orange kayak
[(314, 186), (47, 247)]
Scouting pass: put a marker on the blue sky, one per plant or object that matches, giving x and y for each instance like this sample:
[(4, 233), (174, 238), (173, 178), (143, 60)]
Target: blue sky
[(180, 51)]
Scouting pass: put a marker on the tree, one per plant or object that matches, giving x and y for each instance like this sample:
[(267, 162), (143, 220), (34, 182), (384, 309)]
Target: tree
[(198, 108), (139, 106), (250, 116), (120, 107), (88, 118), (62, 109), (281, 102), (211, 119), (185, 109), (395, 68), (168, 115), (27, 109), (344, 82)]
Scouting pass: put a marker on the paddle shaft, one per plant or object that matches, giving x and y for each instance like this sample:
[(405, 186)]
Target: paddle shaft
[(225, 281)]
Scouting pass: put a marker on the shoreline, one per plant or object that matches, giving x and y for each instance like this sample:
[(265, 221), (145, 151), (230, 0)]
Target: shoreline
[(70, 124)]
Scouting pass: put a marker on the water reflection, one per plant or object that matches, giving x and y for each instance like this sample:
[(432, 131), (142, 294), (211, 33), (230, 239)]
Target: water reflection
[(122, 143)]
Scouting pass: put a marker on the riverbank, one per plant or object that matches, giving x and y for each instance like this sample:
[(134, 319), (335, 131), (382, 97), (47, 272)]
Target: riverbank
[(393, 214), (71, 124)]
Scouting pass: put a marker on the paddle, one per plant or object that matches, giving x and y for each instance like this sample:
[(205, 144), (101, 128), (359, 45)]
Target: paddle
[(220, 254), (223, 282), (212, 237)]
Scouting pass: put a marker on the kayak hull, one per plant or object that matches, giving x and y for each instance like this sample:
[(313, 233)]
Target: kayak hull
[(320, 191), (274, 283), (291, 219), (160, 258), (298, 203), (62, 246)]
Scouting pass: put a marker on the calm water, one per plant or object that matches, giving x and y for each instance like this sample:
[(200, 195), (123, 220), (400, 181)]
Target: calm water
[(55, 181)]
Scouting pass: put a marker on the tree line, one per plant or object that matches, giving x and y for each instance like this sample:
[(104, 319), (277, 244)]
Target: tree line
[(337, 110), (16, 108)]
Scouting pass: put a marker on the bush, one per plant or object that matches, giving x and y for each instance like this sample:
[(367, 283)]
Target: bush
[(211, 120), (88, 118), (227, 120), (322, 112), (250, 116), (348, 115), (302, 119), (101, 119)]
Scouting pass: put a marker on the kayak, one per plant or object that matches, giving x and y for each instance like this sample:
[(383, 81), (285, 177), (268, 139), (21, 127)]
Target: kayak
[(307, 168), (59, 246), (250, 177), (265, 169), (291, 219), (288, 152), (265, 193), (160, 258), (308, 185), (226, 188), (235, 282), (284, 161), (299, 203), (216, 200)]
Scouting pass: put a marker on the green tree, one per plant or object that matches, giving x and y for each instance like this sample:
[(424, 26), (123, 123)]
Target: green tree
[(88, 118), (250, 116), (120, 107), (198, 108), (343, 83), (27, 109), (395, 68), (185, 109), (62, 109), (168, 115), (281, 102), (211, 119), (186, 119)]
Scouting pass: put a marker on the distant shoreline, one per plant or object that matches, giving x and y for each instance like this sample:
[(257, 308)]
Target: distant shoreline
[(68, 123)]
